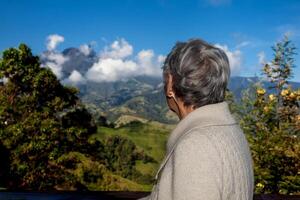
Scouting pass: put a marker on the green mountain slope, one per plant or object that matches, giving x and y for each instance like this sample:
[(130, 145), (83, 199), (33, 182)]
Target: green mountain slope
[(150, 137)]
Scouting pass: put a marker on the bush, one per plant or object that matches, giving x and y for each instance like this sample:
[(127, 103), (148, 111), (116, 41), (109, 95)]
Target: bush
[(272, 125)]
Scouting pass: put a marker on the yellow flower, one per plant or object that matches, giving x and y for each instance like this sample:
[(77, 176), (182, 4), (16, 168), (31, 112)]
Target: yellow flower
[(284, 92), (297, 95), (272, 97), (292, 95), (266, 109), (261, 91), (260, 185)]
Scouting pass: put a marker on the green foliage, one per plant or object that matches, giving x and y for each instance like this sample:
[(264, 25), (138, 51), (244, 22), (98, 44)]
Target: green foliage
[(45, 135), (121, 156), (150, 140), (92, 175), (41, 120), (280, 68), (272, 125), (233, 107)]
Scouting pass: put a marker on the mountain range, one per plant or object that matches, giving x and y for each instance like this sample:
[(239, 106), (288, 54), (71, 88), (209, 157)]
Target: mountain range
[(140, 97), (143, 97)]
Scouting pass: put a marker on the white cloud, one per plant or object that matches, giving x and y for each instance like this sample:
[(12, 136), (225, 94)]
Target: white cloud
[(53, 41), (149, 63), (110, 69), (261, 57), (54, 61), (114, 63), (161, 59), (85, 49), (234, 57), (119, 49), (145, 61), (75, 78)]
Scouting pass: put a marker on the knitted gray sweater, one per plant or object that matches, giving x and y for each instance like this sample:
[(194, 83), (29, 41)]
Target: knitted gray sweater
[(207, 158)]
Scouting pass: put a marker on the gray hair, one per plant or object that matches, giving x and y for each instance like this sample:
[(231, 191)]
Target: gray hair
[(200, 72)]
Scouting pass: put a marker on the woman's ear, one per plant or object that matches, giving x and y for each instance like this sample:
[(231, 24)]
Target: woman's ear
[(169, 89)]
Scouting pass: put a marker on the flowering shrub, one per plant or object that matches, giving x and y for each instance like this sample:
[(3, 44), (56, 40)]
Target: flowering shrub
[(271, 122)]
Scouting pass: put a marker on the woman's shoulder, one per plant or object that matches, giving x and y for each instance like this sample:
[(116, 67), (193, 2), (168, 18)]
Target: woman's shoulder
[(212, 137)]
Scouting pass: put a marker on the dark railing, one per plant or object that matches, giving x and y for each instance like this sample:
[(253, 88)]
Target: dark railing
[(6, 195)]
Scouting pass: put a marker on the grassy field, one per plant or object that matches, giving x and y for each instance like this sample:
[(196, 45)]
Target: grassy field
[(151, 137)]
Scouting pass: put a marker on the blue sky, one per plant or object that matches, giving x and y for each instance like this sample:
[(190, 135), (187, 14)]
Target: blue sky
[(244, 28)]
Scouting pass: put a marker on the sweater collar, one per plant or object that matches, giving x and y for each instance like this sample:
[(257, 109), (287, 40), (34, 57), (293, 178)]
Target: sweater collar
[(208, 115)]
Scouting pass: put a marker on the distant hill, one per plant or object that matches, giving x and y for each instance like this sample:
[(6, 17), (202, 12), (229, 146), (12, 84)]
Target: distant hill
[(134, 97), (140, 97), (144, 97)]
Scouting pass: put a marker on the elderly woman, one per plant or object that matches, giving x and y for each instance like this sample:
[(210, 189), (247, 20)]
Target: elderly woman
[(207, 153)]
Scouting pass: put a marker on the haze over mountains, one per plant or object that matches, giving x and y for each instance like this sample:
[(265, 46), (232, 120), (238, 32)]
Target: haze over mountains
[(139, 96)]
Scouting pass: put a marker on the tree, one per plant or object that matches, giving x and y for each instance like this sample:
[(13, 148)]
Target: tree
[(41, 121), (46, 134), (271, 122), (279, 70), (121, 156)]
